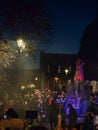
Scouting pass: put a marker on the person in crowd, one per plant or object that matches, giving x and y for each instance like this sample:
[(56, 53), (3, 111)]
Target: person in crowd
[(72, 117), (7, 128), (11, 113), (38, 128), (32, 124), (52, 112), (84, 106), (92, 107), (88, 121)]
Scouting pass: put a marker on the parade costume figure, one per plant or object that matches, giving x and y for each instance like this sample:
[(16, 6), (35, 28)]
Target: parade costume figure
[(79, 71)]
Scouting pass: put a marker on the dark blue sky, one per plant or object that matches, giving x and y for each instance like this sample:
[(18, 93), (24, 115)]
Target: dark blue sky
[(70, 19)]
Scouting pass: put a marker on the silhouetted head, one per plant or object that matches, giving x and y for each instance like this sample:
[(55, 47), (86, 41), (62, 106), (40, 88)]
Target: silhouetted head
[(38, 128), (70, 105)]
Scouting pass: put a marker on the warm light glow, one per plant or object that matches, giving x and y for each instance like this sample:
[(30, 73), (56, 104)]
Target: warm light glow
[(21, 44), (22, 87), (56, 78), (32, 86), (36, 78), (66, 71)]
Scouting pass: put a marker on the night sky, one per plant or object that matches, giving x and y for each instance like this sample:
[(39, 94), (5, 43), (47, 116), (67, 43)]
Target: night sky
[(70, 19)]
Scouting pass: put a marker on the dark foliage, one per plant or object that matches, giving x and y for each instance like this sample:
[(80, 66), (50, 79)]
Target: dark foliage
[(26, 18), (89, 43)]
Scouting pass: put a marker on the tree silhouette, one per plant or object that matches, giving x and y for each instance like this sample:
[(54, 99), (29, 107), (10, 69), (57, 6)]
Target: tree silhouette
[(89, 43), (88, 51), (25, 19)]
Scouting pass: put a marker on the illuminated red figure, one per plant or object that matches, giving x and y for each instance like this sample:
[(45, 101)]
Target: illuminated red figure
[(79, 76)]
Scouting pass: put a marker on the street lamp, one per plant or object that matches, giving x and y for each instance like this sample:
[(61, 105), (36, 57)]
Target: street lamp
[(21, 44), (66, 72), (56, 80)]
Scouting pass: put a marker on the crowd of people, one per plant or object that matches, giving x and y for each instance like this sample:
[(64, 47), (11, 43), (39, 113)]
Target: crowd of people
[(48, 104)]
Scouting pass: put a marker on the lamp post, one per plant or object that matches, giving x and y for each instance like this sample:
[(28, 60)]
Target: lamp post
[(21, 44), (56, 79), (66, 72)]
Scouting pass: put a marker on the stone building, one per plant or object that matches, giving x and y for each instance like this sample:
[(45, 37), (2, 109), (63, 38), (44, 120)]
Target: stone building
[(55, 69)]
